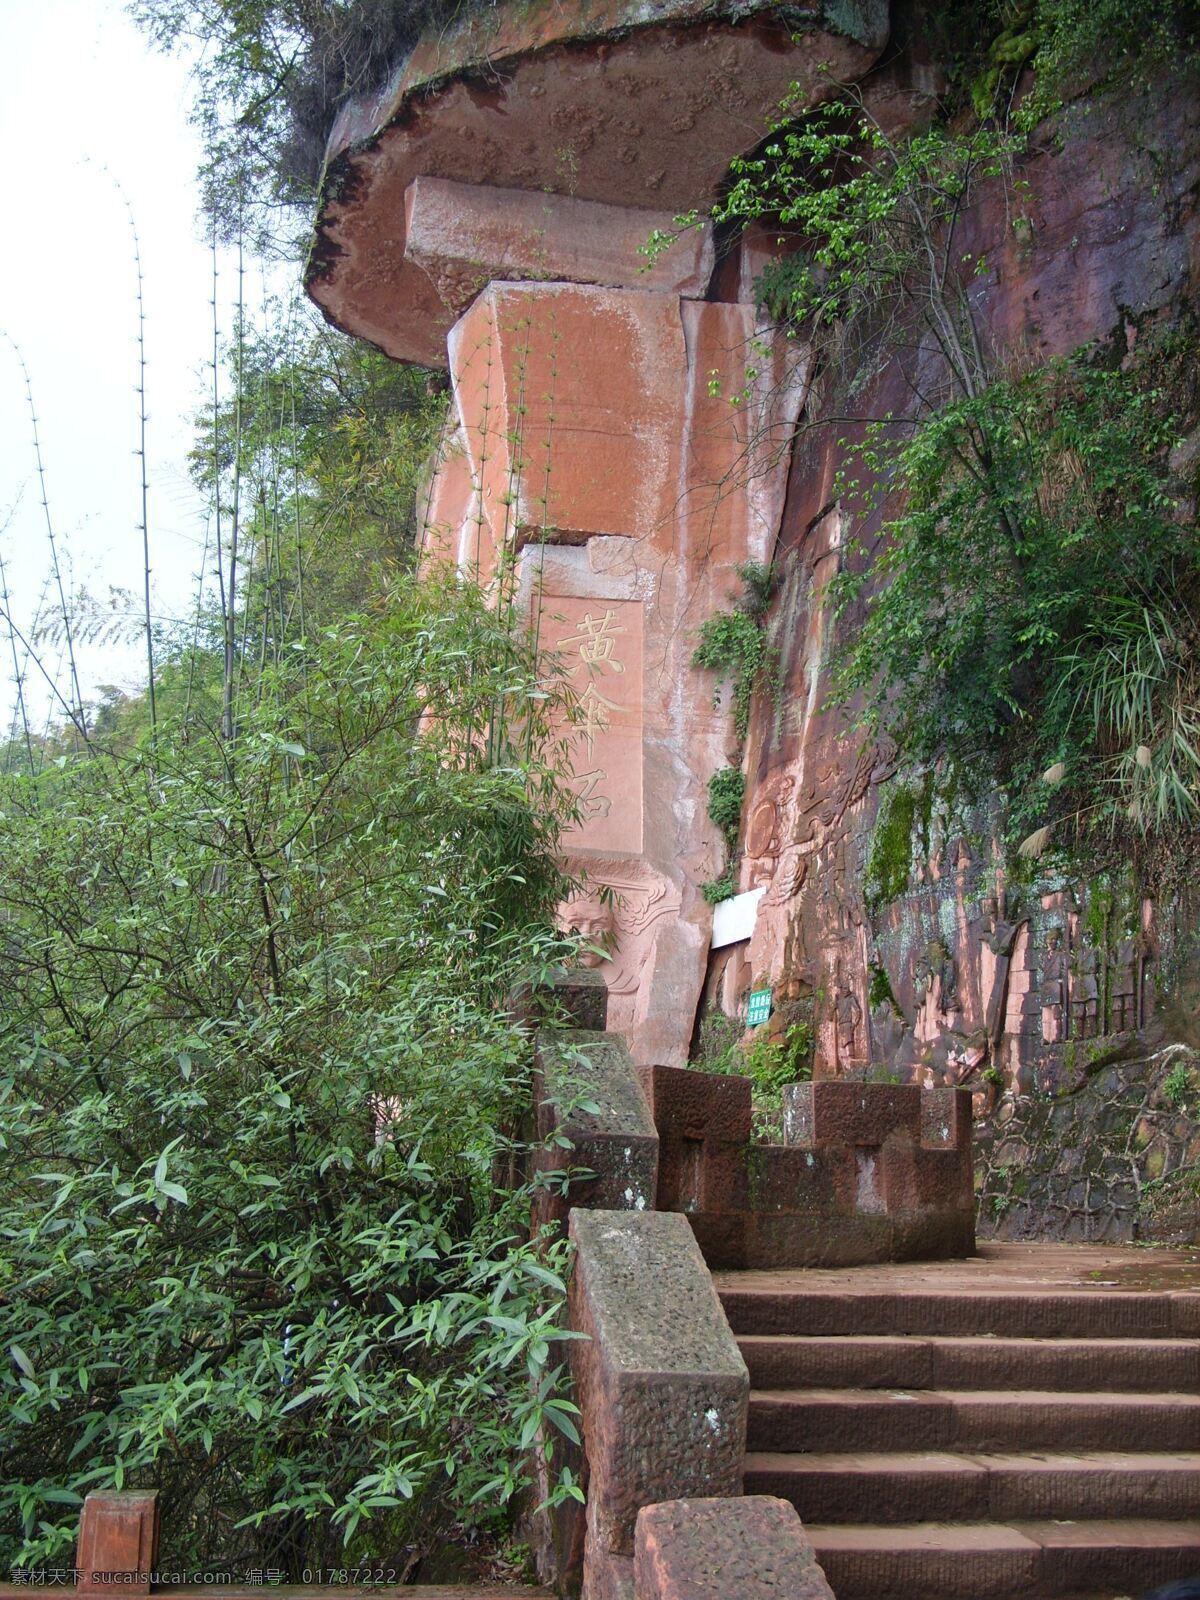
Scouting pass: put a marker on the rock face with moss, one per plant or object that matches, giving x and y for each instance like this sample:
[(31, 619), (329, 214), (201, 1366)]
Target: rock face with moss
[(1112, 1153), (624, 447), (929, 947)]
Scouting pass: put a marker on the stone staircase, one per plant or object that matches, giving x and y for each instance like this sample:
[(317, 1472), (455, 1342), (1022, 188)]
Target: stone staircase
[(1041, 1403)]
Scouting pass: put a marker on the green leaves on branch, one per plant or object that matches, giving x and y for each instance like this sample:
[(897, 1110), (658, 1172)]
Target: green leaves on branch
[(868, 216), (726, 791), (734, 644)]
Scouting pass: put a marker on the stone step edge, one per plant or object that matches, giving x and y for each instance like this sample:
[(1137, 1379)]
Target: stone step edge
[(899, 1395), (1181, 1344), (803, 1462), (944, 1537), (1174, 1314), (895, 1361)]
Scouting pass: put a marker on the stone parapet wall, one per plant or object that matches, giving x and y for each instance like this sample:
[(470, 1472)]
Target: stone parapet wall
[(754, 1548), (868, 1172), (592, 1119), (660, 1382)]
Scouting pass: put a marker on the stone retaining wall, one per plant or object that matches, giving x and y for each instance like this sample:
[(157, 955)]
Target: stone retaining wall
[(1113, 1154)]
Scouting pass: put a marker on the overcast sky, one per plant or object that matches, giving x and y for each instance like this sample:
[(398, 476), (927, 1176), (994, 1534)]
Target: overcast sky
[(85, 101)]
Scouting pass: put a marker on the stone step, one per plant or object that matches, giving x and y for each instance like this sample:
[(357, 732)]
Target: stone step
[(1066, 1314), (910, 1361), (998, 1420), (1033, 1560), (904, 1487)]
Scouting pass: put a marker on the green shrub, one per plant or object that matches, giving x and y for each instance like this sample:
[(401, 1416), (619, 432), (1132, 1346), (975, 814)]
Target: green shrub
[(758, 585), (769, 1063), (774, 1063), (714, 890), (732, 643), (988, 638), (257, 1071), (1177, 1086)]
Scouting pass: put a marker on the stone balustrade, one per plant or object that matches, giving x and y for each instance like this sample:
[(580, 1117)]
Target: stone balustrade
[(867, 1172)]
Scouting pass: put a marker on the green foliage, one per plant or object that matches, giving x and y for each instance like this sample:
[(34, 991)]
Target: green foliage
[(1072, 46), (1086, 44), (726, 791), (758, 585), (1036, 609), (270, 75), (714, 890), (257, 1068), (869, 216), (718, 1043), (772, 1064), (881, 992), (329, 441), (734, 644)]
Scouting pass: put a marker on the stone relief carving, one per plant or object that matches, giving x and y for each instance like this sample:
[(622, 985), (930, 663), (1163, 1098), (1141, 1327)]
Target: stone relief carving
[(624, 922)]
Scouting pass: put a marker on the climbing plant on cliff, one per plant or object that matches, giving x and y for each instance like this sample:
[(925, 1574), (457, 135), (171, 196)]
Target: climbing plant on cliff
[(1019, 586), (1041, 612)]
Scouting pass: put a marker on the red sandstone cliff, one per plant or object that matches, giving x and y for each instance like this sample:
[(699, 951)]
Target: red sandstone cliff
[(496, 191)]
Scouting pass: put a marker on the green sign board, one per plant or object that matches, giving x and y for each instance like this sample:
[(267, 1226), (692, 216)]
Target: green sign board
[(758, 1007)]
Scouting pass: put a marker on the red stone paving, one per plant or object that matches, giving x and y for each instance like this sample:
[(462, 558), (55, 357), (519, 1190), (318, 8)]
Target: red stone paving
[(999, 1268)]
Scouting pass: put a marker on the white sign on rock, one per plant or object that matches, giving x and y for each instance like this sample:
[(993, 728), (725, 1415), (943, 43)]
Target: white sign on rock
[(733, 919)]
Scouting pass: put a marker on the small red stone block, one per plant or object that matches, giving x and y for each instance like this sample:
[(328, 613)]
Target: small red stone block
[(703, 1123), (842, 1112), (118, 1543), (753, 1547), (698, 1105)]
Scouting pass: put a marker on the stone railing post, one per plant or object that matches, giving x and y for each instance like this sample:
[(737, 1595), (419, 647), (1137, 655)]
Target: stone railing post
[(118, 1543), (592, 1117), (660, 1382), (562, 997), (754, 1548)]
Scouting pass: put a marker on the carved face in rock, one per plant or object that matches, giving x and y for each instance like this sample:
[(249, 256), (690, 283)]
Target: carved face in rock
[(595, 924)]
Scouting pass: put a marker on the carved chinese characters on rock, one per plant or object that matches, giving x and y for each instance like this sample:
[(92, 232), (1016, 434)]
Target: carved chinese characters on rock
[(595, 649)]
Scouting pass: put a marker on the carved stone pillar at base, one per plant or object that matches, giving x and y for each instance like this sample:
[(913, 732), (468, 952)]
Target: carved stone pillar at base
[(598, 447)]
